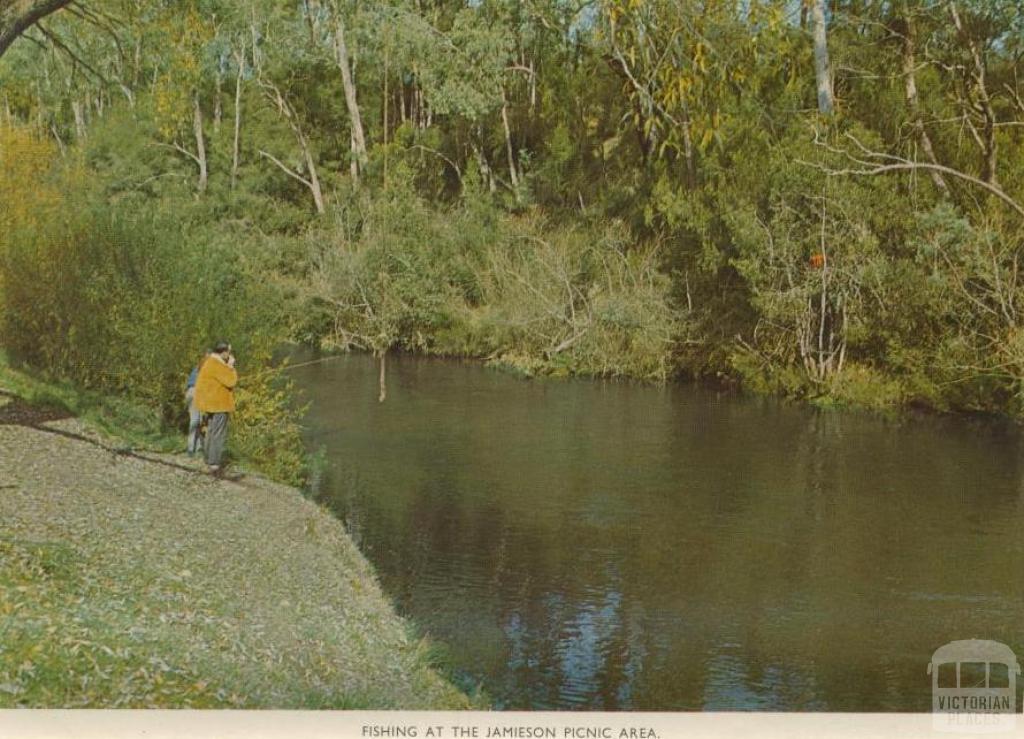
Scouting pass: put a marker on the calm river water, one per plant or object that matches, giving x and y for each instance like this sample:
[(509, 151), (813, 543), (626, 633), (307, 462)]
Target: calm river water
[(605, 545)]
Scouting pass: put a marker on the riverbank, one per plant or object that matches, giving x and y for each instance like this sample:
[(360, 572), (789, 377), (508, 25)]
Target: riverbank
[(130, 579)]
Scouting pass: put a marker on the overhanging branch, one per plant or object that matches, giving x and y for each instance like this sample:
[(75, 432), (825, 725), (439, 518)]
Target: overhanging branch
[(875, 162), (16, 18), (286, 169)]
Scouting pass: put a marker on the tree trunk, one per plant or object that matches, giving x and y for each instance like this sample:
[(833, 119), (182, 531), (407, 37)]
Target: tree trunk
[(414, 101), (512, 172), (240, 59), (358, 137), (314, 181), (822, 67), (60, 141), (387, 64), (353, 165), (137, 64), (76, 108), (218, 107), (691, 166), (197, 128), (913, 104), (982, 103), (18, 17), (129, 95), (484, 167), (533, 88), (291, 116)]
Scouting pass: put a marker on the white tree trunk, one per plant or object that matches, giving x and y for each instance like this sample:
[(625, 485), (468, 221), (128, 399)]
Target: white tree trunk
[(240, 59), (822, 67), (512, 171), (913, 103), (218, 107), (197, 128), (291, 116), (358, 137), (79, 113), (314, 181)]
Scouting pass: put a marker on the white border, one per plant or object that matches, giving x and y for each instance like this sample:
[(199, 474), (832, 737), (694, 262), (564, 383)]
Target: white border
[(229, 724)]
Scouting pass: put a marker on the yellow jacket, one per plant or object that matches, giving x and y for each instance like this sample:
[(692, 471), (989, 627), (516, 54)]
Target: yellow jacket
[(215, 386)]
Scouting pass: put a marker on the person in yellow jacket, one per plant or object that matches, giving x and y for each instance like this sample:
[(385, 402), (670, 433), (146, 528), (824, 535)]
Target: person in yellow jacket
[(215, 398)]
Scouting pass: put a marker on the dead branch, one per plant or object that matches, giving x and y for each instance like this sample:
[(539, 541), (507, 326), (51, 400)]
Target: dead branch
[(875, 162), (286, 169)]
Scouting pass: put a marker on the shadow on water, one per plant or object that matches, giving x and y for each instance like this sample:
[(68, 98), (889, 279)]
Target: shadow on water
[(616, 546)]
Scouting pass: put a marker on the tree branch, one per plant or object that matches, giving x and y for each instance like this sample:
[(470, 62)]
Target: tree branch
[(452, 164), (284, 167), (14, 22), (178, 148), (882, 163), (57, 42)]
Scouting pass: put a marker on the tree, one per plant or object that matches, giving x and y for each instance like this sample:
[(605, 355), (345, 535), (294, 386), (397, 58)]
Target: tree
[(17, 16), (977, 98), (907, 28), (345, 66), (822, 65), (179, 84)]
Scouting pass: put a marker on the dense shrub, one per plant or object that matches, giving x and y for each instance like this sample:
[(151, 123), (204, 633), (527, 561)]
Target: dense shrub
[(838, 289), (125, 302), (472, 281)]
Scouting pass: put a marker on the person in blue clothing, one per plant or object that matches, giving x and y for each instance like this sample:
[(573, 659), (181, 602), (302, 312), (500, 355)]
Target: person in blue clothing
[(195, 439)]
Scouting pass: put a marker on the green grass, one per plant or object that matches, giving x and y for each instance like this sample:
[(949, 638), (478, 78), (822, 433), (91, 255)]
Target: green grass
[(129, 422)]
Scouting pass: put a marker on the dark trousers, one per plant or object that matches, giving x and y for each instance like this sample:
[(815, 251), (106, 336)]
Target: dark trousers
[(216, 437), (195, 439)]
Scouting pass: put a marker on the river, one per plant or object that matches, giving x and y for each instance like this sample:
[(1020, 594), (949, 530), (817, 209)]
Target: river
[(607, 545)]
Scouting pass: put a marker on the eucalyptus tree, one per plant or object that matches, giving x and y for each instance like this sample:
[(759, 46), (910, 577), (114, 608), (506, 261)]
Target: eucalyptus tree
[(17, 16), (178, 86), (905, 26), (680, 65), (346, 65), (980, 49), (71, 65), (822, 64)]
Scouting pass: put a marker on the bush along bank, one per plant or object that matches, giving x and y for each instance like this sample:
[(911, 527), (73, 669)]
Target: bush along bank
[(115, 301), (856, 303)]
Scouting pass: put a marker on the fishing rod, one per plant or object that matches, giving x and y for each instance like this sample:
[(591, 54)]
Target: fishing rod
[(288, 367), (285, 368)]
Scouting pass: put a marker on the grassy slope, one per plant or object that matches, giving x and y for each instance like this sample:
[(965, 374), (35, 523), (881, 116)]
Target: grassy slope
[(124, 582)]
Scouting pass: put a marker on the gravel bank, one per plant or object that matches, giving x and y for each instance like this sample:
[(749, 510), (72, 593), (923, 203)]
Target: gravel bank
[(125, 582)]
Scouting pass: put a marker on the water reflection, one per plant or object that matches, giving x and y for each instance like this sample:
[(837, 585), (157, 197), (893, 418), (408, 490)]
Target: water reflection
[(611, 546)]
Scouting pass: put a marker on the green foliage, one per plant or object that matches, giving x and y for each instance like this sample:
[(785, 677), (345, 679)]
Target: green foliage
[(512, 288), (265, 428), (615, 188), (123, 304)]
